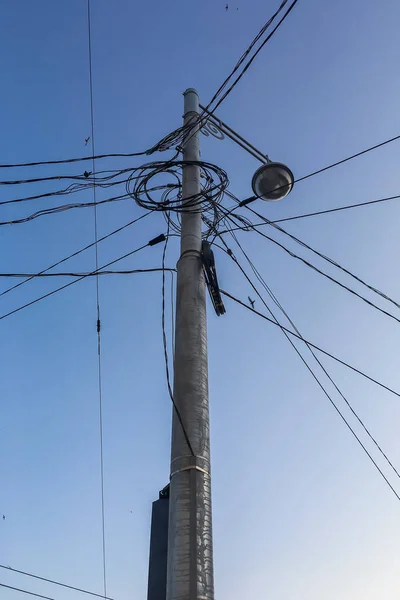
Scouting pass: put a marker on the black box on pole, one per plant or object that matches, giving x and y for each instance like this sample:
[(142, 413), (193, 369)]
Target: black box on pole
[(157, 585)]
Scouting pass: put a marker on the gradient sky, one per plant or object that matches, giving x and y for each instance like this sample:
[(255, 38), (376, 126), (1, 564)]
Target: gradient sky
[(299, 510)]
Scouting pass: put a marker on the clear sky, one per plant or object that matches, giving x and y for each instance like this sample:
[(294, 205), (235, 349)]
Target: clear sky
[(299, 510)]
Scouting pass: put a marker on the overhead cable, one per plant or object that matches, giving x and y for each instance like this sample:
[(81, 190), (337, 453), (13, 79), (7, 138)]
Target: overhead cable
[(65, 585), (293, 334)]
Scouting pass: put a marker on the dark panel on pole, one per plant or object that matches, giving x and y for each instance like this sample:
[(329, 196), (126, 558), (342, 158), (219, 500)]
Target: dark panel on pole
[(157, 586)]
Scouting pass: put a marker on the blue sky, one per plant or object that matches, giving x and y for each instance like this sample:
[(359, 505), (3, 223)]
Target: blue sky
[(299, 511)]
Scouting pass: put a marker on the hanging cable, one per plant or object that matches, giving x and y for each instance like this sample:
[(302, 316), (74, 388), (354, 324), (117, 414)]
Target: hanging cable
[(295, 335), (56, 264), (275, 300), (98, 273), (98, 328), (326, 275), (15, 589), (165, 345), (326, 258), (251, 60), (65, 585), (84, 276)]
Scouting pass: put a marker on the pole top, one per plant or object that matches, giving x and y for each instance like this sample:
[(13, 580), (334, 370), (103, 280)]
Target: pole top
[(190, 91)]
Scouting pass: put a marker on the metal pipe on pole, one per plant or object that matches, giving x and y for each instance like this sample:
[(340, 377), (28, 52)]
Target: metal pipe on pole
[(190, 573)]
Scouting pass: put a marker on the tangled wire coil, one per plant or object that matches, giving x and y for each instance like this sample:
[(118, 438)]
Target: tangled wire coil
[(214, 182)]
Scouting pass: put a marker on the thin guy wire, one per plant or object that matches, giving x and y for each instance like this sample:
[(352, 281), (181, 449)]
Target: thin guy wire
[(65, 585), (99, 363)]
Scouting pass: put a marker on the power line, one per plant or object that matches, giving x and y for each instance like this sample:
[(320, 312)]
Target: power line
[(10, 587), (320, 254), (293, 334), (159, 239), (63, 208), (326, 275), (188, 130), (59, 262), (275, 300), (327, 168), (326, 258), (246, 67), (126, 272), (338, 209), (65, 585), (72, 160), (98, 328)]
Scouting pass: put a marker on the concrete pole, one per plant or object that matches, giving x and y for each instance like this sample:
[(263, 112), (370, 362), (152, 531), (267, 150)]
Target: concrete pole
[(190, 553)]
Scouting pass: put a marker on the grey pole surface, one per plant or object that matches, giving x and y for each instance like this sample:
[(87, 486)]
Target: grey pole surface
[(190, 573)]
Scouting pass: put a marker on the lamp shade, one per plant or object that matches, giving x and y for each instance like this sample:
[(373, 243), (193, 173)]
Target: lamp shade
[(272, 181)]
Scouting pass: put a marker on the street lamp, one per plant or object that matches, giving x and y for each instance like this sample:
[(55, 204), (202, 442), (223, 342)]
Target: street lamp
[(272, 181)]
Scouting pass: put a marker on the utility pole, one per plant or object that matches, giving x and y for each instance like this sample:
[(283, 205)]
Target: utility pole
[(190, 573)]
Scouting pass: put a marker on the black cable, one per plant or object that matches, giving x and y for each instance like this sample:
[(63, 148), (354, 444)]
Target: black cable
[(63, 208), (338, 209), (98, 328), (164, 336), (59, 262), (72, 160), (65, 585), (249, 63), (63, 287), (249, 226), (188, 131), (86, 178), (327, 276), (275, 300), (331, 166), (344, 160), (10, 587), (293, 334), (64, 274), (326, 258)]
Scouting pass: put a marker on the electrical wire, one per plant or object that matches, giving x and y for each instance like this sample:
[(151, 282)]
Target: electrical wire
[(59, 262), (64, 274), (99, 357), (327, 276), (293, 334), (65, 585), (250, 227), (15, 589), (63, 287), (279, 305), (187, 131), (333, 210), (326, 258), (165, 346), (63, 208), (172, 294), (251, 60), (312, 174)]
